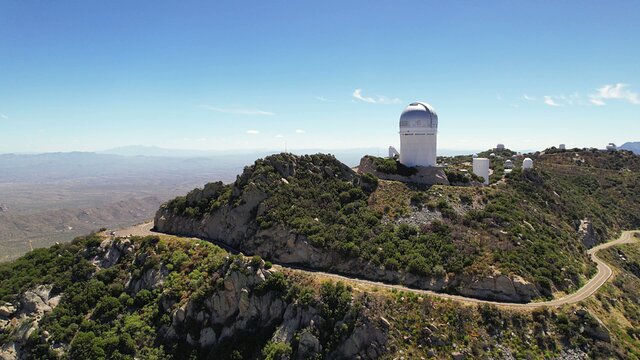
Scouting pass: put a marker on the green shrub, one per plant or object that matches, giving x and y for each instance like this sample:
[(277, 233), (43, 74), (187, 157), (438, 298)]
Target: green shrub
[(276, 282), (107, 309), (392, 166), (276, 351), (256, 261)]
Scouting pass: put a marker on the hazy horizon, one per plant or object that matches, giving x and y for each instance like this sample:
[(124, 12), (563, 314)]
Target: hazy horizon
[(152, 150)]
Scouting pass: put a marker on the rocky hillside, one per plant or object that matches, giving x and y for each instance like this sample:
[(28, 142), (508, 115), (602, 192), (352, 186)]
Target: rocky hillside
[(150, 298), (172, 298), (523, 237)]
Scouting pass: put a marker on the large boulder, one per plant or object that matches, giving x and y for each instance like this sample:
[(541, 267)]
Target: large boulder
[(151, 279), (36, 301), (7, 310), (587, 234), (308, 347), (367, 341)]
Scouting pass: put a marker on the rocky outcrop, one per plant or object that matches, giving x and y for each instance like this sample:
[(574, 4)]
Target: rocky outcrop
[(365, 342), (37, 301), (234, 224), (587, 234), (244, 306), (424, 175), (243, 301), (20, 320), (151, 279), (111, 250), (499, 287)]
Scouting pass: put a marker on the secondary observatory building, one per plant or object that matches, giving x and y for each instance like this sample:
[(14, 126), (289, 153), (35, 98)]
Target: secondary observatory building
[(418, 132)]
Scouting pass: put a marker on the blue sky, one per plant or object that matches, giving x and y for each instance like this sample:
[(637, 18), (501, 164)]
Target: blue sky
[(91, 75)]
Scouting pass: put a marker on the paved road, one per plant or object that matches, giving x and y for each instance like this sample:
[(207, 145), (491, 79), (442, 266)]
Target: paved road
[(603, 274)]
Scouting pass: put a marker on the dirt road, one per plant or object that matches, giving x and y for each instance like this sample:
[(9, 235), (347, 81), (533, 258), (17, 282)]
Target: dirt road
[(603, 274)]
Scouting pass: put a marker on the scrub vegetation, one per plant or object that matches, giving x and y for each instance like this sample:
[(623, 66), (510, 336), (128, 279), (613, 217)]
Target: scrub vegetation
[(524, 224), (100, 317)]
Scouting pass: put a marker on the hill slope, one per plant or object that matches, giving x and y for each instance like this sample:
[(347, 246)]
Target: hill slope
[(513, 241), (171, 298)]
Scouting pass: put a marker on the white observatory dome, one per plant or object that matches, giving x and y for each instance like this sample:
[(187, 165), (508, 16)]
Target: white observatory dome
[(419, 115), (418, 135)]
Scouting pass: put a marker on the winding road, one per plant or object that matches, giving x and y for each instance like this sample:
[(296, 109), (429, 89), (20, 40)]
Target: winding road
[(601, 277)]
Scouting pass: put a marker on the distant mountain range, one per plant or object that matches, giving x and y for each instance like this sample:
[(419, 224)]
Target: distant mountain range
[(350, 157), (632, 146)]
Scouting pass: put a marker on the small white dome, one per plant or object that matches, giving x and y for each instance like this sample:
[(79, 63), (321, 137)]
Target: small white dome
[(527, 163), (419, 114)]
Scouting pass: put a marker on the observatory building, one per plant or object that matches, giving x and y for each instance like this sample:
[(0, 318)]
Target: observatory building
[(418, 146), (508, 164), (418, 131)]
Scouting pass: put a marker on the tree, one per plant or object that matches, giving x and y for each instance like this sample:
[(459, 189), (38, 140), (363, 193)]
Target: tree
[(85, 345)]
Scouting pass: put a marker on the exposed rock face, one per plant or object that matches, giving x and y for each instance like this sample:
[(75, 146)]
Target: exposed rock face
[(7, 310), (22, 319), (309, 346), (233, 224), (111, 251), (366, 333), (36, 302), (587, 234), (242, 303), (150, 279), (424, 175), (240, 308), (500, 287)]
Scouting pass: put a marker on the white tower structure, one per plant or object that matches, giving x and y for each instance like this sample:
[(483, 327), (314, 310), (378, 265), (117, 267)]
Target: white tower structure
[(393, 153), (481, 168), (563, 147), (527, 163), (418, 131), (500, 147)]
